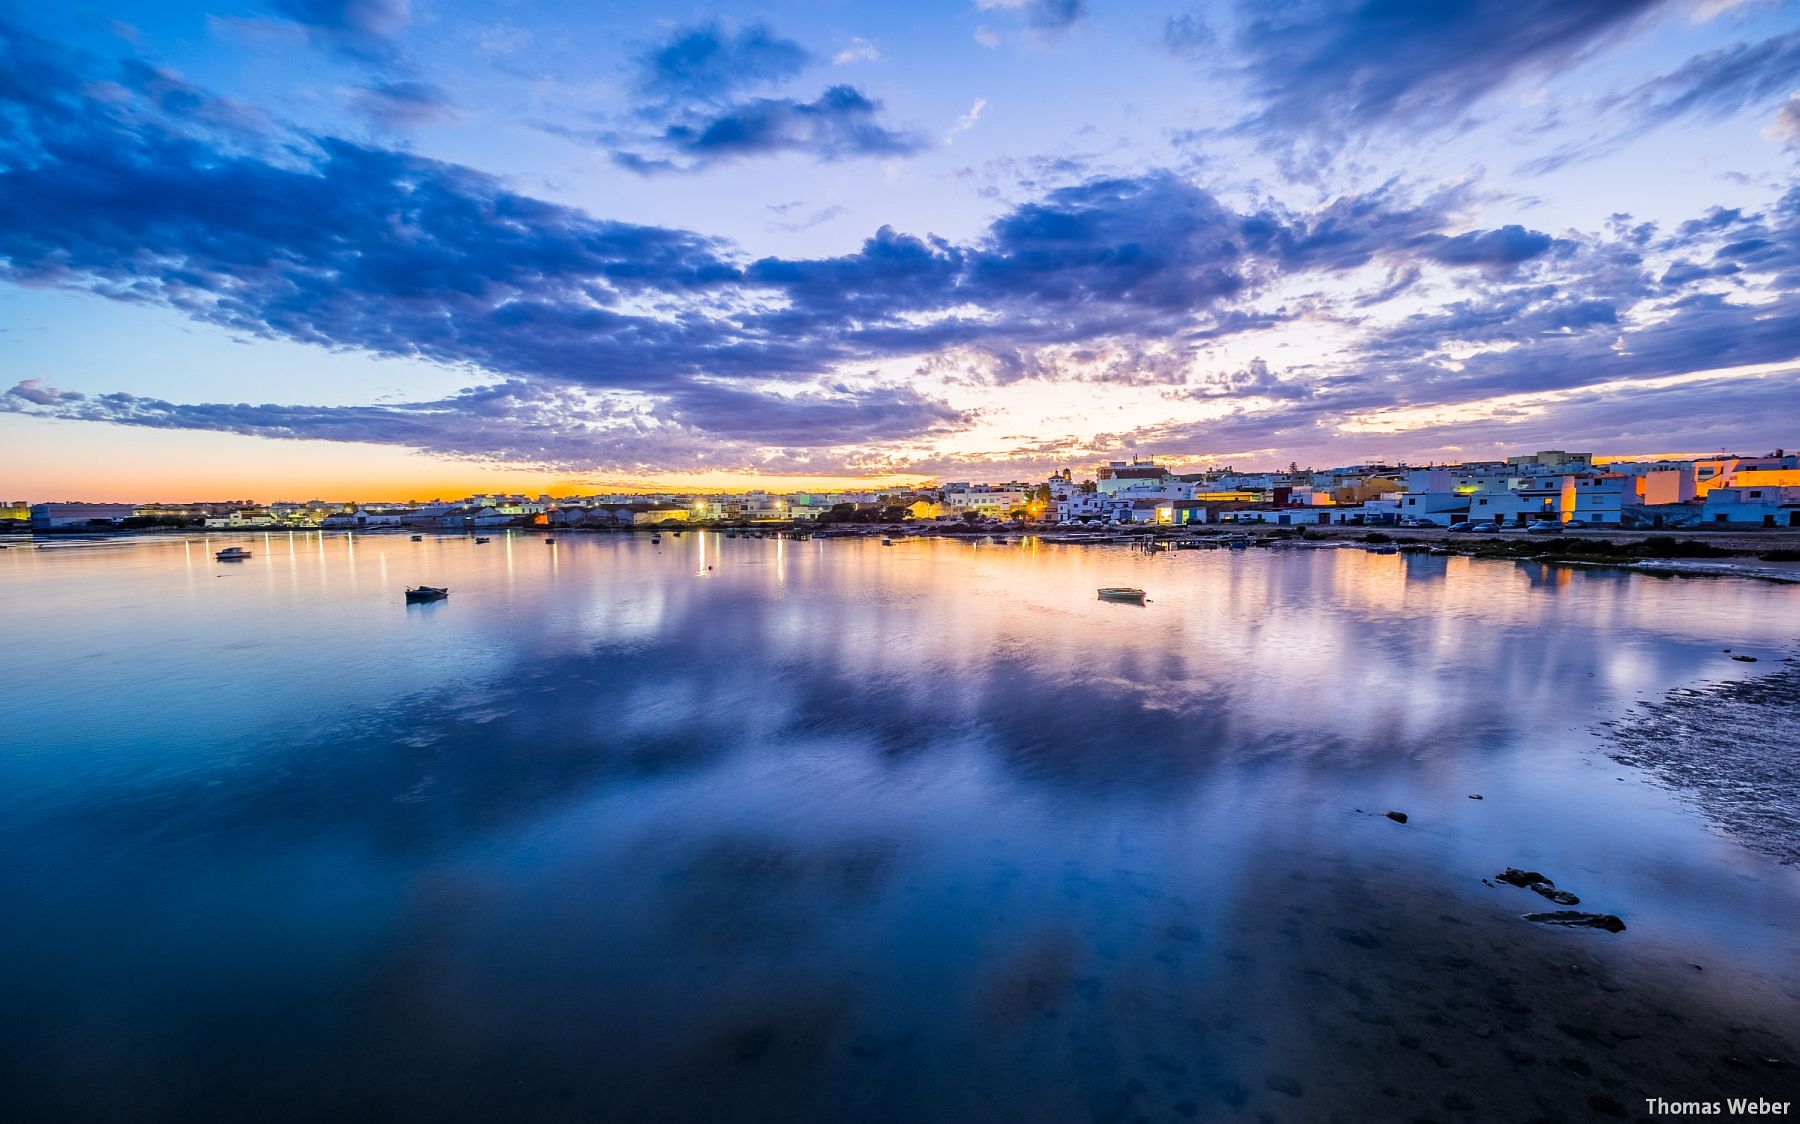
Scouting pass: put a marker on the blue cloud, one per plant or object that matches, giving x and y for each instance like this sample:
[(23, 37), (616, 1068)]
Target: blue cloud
[(1707, 87), (1188, 36), (1327, 69), (1041, 15), (357, 17), (403, 103), (710, 61), (839, 124)]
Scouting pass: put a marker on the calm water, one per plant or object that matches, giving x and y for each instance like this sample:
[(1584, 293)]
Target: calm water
[(750, 829)]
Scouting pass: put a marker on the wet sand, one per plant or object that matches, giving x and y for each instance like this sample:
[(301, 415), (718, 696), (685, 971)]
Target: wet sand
[(1732, 749)]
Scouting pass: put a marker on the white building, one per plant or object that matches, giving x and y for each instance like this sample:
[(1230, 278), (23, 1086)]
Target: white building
[(993, 501), (1760, 506), (65, 516)]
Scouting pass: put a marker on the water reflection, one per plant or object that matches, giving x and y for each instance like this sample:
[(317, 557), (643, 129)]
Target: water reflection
[(838, 832)]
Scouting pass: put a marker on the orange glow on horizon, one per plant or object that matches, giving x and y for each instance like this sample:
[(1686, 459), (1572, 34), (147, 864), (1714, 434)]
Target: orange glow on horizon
[(75, 461)]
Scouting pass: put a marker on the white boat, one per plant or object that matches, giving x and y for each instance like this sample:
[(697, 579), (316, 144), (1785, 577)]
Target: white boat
[(1122, 593), (232, 554)]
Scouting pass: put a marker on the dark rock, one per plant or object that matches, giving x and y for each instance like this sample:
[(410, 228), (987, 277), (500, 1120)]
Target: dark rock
[(1744, 659), (1538, 884), (1513, 876), (1397, 817), (1575, 919)]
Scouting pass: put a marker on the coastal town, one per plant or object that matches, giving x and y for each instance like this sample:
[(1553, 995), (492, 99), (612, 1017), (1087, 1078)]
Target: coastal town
[(1549, 490)]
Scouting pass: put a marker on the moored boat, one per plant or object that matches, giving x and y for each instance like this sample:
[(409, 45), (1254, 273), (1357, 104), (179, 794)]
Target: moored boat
[(1122, 593), (418, 538), (479, 540), (427, 593), (232, 554)]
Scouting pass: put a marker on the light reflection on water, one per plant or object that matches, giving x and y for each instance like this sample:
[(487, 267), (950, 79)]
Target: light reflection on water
[(826, 831)]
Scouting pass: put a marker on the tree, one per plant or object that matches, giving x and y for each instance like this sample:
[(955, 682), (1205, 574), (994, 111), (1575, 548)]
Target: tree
[(971, 517)]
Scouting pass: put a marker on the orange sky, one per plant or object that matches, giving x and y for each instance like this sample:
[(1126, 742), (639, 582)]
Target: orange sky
[(103, 463)]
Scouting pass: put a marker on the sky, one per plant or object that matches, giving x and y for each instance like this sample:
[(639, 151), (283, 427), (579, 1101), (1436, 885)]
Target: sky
[(396, 248)]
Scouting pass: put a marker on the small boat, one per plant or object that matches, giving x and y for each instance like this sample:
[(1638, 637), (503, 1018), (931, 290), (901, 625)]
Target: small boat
[(549, 542), (1122, 593), (232, 554), (418, 538), (479, 541), (426, 593), (887, 542)]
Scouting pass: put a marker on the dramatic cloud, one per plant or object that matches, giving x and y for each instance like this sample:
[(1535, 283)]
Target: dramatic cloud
[(1331, 68), (711, 61), (607, 344)]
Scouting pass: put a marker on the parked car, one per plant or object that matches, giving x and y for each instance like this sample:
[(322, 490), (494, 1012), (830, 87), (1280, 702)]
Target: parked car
[(1545, 527), (1415, 522), (1479, 528), (1575, 524)]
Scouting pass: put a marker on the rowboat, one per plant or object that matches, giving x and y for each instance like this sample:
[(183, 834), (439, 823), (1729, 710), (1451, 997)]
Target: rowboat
[(427, 593), (1122, 593), (232, 554)]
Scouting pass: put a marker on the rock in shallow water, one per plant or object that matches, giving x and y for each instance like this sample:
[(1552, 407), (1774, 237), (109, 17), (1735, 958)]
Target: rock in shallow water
[(1397, 817), (1538, 884), (1513, 876), (1576, 919)]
